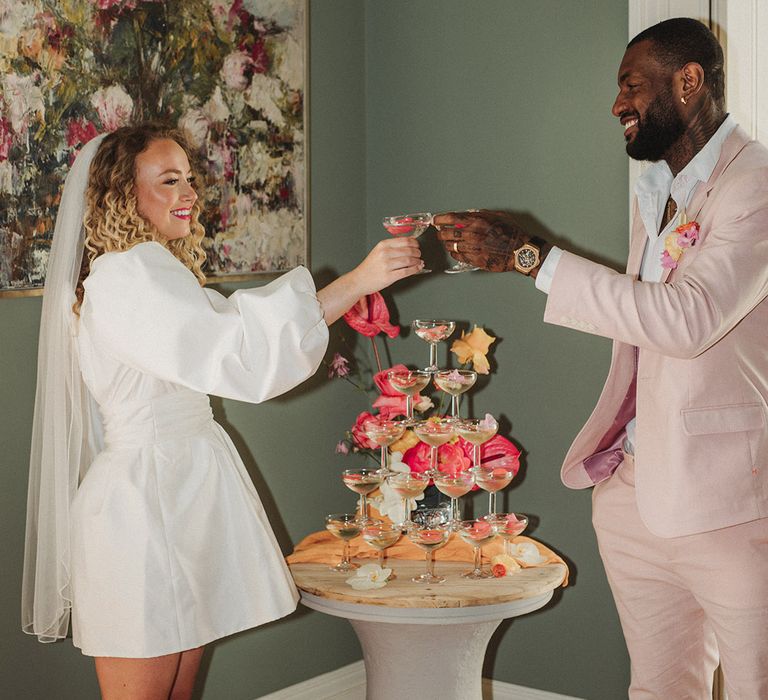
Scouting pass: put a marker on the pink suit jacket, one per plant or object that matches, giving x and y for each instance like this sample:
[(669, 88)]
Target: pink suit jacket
[(697, 347)]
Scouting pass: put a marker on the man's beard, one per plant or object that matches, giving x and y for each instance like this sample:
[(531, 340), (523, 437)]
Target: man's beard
[(657, 130)]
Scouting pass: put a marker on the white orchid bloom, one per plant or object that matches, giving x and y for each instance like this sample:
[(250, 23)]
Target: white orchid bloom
[(527, 553), (389, 503), (369, 577)]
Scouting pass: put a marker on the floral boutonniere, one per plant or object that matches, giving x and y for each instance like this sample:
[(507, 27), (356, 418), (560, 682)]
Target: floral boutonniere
[(684, 236)]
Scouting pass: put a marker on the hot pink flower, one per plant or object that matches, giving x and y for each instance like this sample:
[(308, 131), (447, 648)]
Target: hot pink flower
[(359, 438), (497, 452), (342, 448), (370, 316), (451, 458)]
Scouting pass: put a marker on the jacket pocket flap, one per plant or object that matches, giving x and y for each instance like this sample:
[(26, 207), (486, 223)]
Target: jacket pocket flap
[(723, 419)]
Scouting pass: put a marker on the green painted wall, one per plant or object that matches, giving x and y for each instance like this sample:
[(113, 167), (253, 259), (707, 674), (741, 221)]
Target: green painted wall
[(415, 104)]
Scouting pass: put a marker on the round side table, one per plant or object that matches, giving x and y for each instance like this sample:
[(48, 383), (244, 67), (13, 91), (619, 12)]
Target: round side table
[(426, 640)]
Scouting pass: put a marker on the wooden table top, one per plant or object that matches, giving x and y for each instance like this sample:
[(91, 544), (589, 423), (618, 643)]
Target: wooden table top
[(454, 592)]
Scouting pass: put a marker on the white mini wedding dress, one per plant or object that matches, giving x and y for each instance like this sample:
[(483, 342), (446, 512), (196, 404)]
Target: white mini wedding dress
[(171, 547)]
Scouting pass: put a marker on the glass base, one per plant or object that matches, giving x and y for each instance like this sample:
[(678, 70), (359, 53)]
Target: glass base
[(460, 267), (344, 566), (428, 578), (476, 574)]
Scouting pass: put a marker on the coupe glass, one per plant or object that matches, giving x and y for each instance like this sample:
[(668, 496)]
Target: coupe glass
[(429, 538), (433, 332), (476, 533), (408, 225), (345, 526), (454, 485), (434, 432), (492, 480), (384, 433), (381, 536), (407, 485), (409, 382), (362, 482), (455, 382), (476, 432), (508, 526)]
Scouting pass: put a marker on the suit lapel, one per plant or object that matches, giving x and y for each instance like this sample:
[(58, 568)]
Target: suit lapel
[(732, 146)]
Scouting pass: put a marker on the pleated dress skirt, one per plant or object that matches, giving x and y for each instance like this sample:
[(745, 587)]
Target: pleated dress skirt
[(171, 547)]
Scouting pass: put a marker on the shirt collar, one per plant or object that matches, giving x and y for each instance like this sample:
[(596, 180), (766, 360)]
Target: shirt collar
[(657, 182)]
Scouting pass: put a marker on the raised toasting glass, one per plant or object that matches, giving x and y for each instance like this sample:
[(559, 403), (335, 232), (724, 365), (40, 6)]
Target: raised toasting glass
[(381, 536), (476, 533), (455, 382), (454, 485), (408, 225), (407, 485), (507, 526), (384, 433), (362, 482), (345, 526), (434, 432), (492, 479), (409, 382), (433, 331)]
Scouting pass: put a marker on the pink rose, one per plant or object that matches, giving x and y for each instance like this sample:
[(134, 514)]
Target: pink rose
[(370, 316), (451, 458), (390, 407), (359, 438), (339, 366), (391, 403)]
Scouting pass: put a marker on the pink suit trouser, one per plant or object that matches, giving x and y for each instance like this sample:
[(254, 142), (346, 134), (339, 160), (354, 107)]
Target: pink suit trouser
[(684, 602)]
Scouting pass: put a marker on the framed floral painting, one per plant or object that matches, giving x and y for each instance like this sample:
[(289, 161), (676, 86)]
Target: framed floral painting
[(232, 73)]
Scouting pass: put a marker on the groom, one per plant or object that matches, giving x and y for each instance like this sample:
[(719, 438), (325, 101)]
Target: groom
[(677, 446)]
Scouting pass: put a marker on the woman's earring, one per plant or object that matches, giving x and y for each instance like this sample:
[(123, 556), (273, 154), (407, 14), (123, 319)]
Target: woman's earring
[(683, 100)]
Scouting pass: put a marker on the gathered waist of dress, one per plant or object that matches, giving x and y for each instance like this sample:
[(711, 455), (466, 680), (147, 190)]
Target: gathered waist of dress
[(172, 416)]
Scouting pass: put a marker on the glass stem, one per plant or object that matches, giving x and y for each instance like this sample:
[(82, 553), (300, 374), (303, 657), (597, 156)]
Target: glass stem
[(409, 407), (405, 511), (478, 569), (491, 503), (384, 460), (345, 554), (433, 458), (431, 563), (476, 455), (363, 507), (381, 558), (433, 356), (455, 405), (455, 510)]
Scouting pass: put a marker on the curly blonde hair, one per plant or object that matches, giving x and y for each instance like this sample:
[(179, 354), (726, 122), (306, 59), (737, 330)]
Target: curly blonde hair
[(112, 221)]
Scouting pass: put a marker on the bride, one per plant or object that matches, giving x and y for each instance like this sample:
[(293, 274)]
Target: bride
[(142, 519)]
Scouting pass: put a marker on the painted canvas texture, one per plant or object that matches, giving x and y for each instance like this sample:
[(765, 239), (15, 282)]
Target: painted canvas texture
[(229, 72)]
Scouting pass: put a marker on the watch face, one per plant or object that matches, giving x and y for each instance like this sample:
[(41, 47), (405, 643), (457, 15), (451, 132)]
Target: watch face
[(527, 258)]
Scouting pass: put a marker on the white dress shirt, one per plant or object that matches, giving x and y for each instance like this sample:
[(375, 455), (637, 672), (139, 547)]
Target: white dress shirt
[(652, 190)]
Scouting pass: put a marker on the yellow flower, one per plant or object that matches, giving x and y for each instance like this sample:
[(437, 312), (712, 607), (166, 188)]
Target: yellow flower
[(473, 347), (671, 246), (407, 441)]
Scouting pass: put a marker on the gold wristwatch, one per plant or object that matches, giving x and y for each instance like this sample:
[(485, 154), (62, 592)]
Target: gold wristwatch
[(528, 256)]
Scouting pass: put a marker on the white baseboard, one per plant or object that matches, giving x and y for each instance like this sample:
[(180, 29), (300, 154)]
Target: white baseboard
[(348, 683)]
